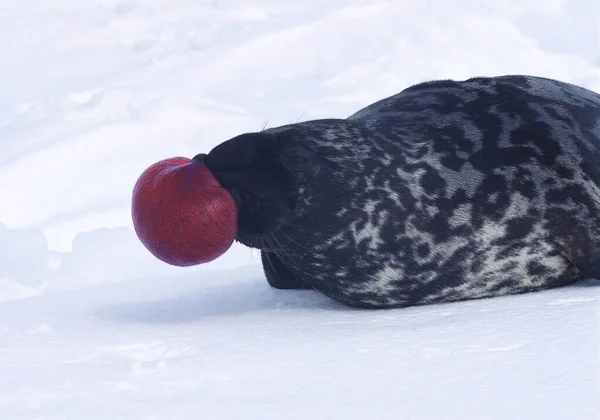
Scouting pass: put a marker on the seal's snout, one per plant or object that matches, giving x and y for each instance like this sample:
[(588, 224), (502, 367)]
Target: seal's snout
[(263, 173), (237, 196), (242, 151), (201, 157)]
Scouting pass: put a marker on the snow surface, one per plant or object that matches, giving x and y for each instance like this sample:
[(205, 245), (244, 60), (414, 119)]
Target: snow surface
[(92, 326)]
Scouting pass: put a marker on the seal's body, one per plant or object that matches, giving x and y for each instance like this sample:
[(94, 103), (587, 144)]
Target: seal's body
[(447, 191)]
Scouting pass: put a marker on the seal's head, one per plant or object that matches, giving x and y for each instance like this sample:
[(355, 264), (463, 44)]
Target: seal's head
[(271, 174), (307, 196)]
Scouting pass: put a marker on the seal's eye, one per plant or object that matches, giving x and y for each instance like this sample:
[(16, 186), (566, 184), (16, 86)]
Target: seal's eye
[(297, 159)]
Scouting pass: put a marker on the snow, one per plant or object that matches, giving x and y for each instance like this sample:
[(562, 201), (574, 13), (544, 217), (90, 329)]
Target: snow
[(92, 326), (223, 346)]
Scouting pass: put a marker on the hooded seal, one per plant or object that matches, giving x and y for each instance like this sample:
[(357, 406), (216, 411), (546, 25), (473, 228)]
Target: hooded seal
[(447, 191)]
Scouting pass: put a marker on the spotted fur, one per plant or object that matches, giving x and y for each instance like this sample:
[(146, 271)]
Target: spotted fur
[(446, 191)]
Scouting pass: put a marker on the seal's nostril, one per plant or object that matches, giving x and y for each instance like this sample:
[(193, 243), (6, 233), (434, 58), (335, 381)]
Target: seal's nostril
[(291, 203)]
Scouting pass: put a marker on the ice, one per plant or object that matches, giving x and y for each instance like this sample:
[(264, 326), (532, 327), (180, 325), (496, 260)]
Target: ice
[(93, 326), (24, 255), (224, 345), (116, 254)]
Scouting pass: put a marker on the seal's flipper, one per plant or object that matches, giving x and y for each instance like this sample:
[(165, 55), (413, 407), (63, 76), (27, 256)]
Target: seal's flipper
[(277, 274)]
